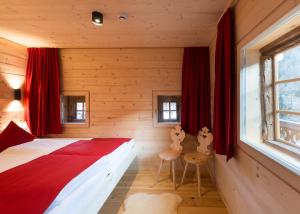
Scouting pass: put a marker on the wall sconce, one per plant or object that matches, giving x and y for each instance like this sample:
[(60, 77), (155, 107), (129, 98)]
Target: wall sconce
[(17, 94), (97, 18)]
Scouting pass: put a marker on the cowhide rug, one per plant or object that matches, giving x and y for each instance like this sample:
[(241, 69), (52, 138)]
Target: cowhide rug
[(143, 203)]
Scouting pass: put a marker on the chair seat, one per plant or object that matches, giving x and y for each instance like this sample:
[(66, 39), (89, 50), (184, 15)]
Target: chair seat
[(169, 155), (196, 158)]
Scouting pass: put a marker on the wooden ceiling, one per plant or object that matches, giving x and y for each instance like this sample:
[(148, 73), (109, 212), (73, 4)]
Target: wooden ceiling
[(151, 23)]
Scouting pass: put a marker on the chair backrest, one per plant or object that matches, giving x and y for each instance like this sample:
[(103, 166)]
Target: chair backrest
[(205, 139), (177, 135)]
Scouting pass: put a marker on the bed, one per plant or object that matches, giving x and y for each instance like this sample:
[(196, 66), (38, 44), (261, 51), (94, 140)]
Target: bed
[(85, 193)]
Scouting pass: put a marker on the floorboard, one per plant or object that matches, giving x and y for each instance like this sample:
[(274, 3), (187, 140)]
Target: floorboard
[(143, 180)]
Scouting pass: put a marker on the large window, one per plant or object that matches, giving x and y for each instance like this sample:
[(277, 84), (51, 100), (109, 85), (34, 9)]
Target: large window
[(281, 89), (269, 94)]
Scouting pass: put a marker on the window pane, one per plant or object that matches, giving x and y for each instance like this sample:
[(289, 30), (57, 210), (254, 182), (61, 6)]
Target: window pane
[(290, 118), (290, 128), (79, 115), (173, 106), (287, 63), (166, 115), (173, 115), (289, 96), (79, 106), (166, 106)]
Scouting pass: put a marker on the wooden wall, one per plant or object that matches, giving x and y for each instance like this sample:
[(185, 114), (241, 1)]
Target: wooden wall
[(251, 182), (121, 82), (13, 58)]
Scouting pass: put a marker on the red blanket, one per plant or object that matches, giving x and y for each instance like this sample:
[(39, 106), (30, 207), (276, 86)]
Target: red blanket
[(31, 187)]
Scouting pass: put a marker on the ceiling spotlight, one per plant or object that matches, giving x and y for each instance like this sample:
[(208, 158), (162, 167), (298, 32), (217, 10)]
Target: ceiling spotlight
[(97, 18)]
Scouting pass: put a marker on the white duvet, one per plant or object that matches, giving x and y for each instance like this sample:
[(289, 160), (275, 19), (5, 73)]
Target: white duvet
[(26, 152)]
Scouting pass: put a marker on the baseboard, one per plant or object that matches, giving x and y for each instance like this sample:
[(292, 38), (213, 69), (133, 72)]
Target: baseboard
[(229, 209)]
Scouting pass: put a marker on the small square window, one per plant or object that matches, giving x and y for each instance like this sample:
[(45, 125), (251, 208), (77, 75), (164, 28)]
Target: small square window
[(168, 108), (74, 110)]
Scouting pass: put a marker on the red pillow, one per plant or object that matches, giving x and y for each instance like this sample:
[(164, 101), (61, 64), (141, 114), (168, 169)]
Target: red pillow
[(13, 135)]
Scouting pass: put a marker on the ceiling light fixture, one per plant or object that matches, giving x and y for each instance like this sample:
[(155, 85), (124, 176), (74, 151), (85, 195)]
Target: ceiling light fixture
[(97, 18)]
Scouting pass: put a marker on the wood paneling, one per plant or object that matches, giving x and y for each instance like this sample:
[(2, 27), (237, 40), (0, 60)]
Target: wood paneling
[(13, 58), (120, 82), (249, 187), (252, 17), (151, 23), (251, 182)]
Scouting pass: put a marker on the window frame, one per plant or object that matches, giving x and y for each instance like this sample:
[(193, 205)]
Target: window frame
[(277, 158), (155, 110), (160, 109), (78, 123), (284, 43)]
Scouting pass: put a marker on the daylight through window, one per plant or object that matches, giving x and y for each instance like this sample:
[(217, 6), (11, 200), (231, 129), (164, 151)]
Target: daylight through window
[(169, 108), (280, 79), (287, 95)]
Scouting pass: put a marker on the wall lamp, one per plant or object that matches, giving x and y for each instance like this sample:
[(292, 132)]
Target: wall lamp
[(17, 94)]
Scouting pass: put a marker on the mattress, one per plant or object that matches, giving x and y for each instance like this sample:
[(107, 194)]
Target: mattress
[(95, 175)]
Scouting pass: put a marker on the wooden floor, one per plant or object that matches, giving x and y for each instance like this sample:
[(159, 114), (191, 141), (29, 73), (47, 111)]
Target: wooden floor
[(143, 180)]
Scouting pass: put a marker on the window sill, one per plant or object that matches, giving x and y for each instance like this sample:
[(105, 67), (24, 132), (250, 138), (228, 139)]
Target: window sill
[(165, 124), (288, 160), (289, 149), (76, 125)]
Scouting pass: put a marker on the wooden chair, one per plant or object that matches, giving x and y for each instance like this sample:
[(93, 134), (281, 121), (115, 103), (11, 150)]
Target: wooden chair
[(201, 157), (177, 135)]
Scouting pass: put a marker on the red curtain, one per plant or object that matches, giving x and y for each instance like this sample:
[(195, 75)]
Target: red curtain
[(195, 110), (42, 92), (225, 115)]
